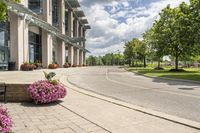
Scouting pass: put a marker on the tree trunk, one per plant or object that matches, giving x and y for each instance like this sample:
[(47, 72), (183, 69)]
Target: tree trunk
[(129, 62), (158, 62), (133, 63), (145, 64), (176, 62)]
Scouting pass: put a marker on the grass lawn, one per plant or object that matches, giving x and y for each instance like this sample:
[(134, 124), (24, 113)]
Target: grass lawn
[(189, 74)]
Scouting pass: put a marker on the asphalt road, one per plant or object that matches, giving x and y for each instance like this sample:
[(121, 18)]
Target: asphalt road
[(172, 97)]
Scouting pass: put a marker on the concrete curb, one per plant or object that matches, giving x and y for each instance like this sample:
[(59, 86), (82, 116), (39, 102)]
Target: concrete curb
[(154, 77), (175, 119)]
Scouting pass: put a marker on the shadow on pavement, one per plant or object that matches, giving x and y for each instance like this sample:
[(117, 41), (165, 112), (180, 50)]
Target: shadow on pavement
[(175, 82), (32, 104), (186, 88)]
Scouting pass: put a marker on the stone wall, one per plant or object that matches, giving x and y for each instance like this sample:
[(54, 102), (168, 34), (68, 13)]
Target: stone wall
[(16, 93)]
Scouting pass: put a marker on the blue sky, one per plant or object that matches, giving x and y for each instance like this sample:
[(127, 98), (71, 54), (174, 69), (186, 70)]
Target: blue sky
[(115, 21)]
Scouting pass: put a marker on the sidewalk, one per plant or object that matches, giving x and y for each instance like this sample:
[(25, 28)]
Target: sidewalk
[(80, 113), (120, 119), (52, 118)]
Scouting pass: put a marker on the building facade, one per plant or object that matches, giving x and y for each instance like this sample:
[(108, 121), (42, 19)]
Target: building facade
[(44, 31)]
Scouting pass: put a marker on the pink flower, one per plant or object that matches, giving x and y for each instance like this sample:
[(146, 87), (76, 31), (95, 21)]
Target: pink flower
[(5, 121), (44, 91)]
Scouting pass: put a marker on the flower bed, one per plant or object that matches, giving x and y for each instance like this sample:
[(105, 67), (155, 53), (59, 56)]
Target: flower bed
[(47, 91), (28, 67), (67, 65), (38, 65), (5, 121), (53, 66), (74, 65)]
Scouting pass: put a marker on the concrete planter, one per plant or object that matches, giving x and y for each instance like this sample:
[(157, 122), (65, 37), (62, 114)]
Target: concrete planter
[(17, 92)]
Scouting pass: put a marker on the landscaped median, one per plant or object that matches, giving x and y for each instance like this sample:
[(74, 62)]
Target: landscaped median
[(192, 74)]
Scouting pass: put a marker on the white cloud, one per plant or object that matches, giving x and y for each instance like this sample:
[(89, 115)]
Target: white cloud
[(123, 22)]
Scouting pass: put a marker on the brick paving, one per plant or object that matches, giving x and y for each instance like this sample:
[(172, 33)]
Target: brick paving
[(51, 118)]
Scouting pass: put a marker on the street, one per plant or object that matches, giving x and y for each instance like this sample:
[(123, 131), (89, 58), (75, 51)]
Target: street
[(176, 98)]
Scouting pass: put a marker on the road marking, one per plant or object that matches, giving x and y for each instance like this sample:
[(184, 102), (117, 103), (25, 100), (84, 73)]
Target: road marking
[(144, 88), (122, 83), (176, 93)]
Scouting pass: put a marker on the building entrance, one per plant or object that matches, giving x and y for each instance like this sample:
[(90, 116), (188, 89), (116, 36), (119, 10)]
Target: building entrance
[(35, 48)]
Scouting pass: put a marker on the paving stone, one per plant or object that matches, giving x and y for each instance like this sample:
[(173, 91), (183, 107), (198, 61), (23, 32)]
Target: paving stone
[(28, 118), (65, 130)]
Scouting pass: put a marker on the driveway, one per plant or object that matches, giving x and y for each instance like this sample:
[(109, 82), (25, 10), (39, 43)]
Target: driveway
[(172, 97)]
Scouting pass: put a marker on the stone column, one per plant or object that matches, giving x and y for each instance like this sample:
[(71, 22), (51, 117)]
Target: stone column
[(61, 53), (81, 34), (81, 57), (46, 37), (70, 33), (26, 36), (81, 44), (84, 58), (84, 37), (76, 28), (77, 51), (76, 56), (70, 23), (71, 54), (17, 45), (19, 49), (61, 44), (47, 49)]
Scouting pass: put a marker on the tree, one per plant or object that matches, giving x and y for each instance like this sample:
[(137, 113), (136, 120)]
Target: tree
[(157, 36), (108, 59), (3, 9), (119, 58), (151, 39), (129, 53), (141, 50), (135, 50), (181, 33), (195, 12), (175, 32), (91, 61)]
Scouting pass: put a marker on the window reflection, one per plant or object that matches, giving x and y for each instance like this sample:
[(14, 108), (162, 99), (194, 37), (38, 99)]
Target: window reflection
[(4, 50), (55, 15), (35, 5), (35, 48)]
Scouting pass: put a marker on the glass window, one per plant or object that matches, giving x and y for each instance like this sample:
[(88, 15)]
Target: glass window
[(2, 56), (55, 15), (35, 48), (66, 21), (54, 56), (31, 53), (74, 28), (2, 37), (79, 31), (4, 50), (35, 5)]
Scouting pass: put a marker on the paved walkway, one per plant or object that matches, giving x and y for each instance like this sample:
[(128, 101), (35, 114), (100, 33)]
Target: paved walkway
[(82, 113), (52, 118)]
